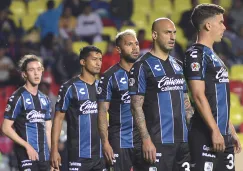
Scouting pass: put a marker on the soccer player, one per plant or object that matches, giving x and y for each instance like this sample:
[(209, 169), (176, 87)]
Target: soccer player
[(118, 139), (212, 137), (77, 101), (28, 111), (158, 97)]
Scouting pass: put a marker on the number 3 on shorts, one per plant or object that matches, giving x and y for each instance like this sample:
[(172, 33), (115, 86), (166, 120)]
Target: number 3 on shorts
[(230, 157), (186, 165)]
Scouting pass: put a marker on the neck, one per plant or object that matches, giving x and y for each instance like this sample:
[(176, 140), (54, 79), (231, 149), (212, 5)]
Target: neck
[(156, 51), (205, 39), (33, 89), (125, 65), (87, 77)]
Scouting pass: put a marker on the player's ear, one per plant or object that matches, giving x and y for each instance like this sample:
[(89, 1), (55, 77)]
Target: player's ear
[(154, 35), (207, 26), (23, 74), (82, 62), (118, 49)]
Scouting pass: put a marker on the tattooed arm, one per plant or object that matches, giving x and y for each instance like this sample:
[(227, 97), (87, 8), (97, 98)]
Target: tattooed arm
[(188, 107), (103, 131), (149, 150)]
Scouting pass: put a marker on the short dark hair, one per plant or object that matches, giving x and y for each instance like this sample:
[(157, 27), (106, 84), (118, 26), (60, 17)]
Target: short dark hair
[(204, 11), (84, 53), (50, 4), (27, 59)]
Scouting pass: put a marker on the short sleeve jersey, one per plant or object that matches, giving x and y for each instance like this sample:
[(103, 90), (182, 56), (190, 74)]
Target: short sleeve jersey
[(77, 99), (29, 114), (162, 84), (201, 63), (113, 88)]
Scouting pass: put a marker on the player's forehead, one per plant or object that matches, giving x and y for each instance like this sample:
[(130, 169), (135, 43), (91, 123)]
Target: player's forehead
[(129, 38), (33, 64), (94, 54)]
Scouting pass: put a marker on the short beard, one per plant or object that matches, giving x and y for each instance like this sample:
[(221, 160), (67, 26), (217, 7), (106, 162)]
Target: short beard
[(129, 59)]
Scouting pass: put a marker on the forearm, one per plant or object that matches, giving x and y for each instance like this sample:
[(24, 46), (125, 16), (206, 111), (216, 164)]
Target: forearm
[(55, 133), (188, 107), (10, 132), (102, 122), (232, 128), (138, 115), (48, 133)]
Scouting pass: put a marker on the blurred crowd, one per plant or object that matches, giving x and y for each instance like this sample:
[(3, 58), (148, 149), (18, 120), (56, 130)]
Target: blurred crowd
[(84, 20)]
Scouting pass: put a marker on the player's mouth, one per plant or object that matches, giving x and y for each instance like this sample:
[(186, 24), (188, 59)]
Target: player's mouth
[(171, 44), (135, 53)]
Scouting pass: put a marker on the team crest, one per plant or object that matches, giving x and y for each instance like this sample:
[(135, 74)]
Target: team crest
[(43, 101), (99, 90), (8, 108), (195, 66), (131, 81), (208, 166)]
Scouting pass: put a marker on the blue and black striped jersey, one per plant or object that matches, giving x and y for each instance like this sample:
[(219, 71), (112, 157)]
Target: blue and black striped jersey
[(163, 86), (201, 63), (78, 100), (29, 113), (113, 88)]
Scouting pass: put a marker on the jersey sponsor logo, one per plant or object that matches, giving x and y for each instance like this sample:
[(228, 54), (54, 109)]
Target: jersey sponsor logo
[(8, 108), (132, 71), (73, 169), (35, 116), (222, 75), (125, 98), (208, 166), (88, 107), (75, 164), (156, 67), (81, 91), (194, 54), (195, 66), (208, 155), (131, 81), (99, 90), (152, 168), (11, 98), (206, 148), (28, 101), (123, 80), (169, 84), (58, 98), (43, 101), (101, 80)]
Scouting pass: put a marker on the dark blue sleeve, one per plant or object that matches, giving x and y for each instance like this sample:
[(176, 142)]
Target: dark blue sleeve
[(49, 110), (105, 88), (194, 65), (137, 79), (13, 107), (63, 98)]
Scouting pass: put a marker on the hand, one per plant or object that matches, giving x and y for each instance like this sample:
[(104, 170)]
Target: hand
[(149, 150), (32, 154), (55, 160), (108, 152), (236, 142), (218, 141)]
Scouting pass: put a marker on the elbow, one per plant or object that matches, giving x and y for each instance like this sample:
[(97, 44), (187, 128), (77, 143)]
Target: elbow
[(4, 129)]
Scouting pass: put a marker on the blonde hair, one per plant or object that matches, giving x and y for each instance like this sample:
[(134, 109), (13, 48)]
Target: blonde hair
[(120, 35), (27, 59)]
